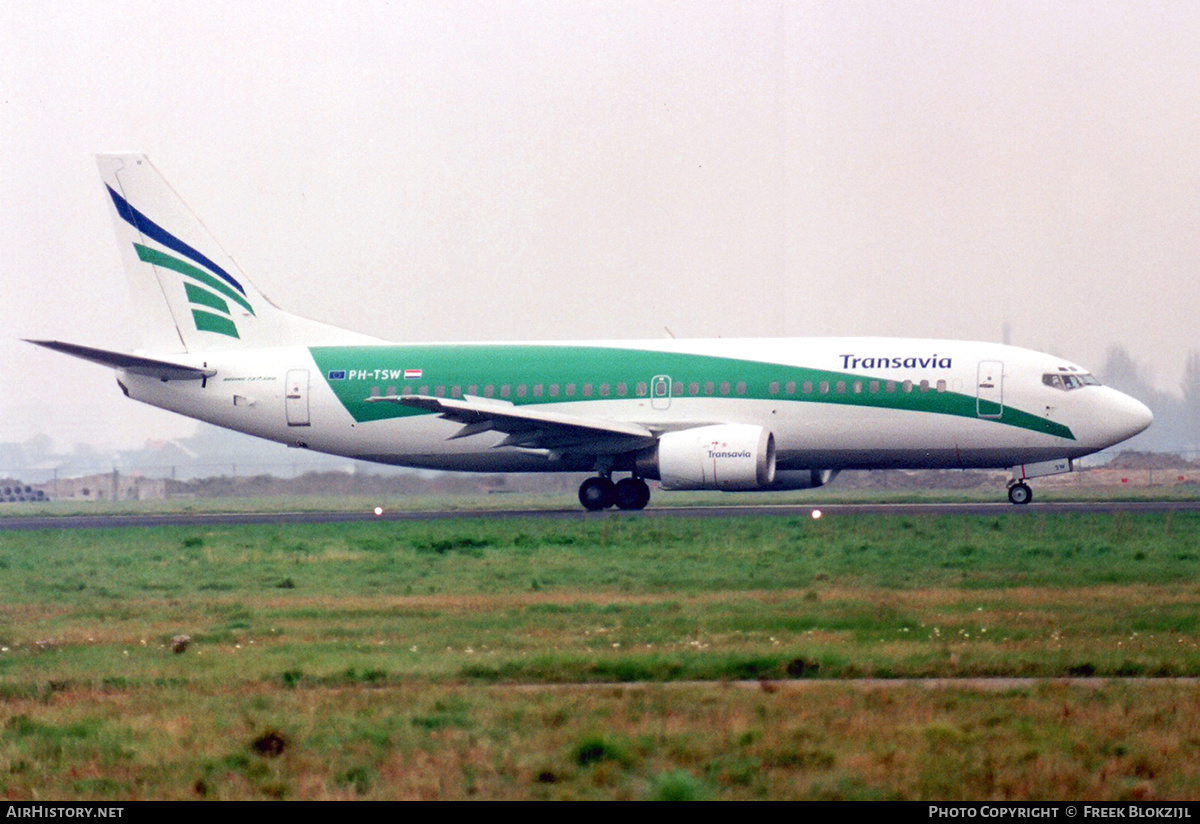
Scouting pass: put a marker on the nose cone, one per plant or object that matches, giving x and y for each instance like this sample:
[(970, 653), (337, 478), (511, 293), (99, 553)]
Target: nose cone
[(1123, 417)]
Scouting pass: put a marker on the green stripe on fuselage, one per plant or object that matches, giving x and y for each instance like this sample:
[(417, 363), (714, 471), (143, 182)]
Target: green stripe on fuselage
[(465, 365)]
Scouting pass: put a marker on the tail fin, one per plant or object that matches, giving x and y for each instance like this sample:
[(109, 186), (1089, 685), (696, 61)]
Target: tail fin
[(191, 295)]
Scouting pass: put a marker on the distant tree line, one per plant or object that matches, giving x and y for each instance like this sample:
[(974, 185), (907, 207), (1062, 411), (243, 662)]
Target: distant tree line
[(1176, 425)]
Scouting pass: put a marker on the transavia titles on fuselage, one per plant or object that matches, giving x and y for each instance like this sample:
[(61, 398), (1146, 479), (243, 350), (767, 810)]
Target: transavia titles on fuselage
[(723, 414)]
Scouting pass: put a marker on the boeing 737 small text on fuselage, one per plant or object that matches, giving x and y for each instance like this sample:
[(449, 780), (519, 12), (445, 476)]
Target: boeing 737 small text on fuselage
[(723, 414)]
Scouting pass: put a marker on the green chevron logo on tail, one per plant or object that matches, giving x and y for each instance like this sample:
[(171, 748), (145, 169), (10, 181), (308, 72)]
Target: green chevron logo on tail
[(209, 288)]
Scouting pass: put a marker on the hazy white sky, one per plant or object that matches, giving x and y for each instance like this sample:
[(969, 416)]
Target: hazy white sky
[(523, 170)]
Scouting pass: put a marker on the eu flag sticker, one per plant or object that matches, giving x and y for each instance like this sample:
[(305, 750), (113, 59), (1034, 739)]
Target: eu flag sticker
[(337, 375)]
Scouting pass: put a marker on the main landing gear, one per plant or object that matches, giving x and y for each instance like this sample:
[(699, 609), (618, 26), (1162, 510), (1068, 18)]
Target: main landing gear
[(600, 493), (1020, 493)]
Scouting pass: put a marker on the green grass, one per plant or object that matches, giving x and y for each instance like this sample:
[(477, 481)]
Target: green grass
[(382, 655), (828, 740), (609, 598)]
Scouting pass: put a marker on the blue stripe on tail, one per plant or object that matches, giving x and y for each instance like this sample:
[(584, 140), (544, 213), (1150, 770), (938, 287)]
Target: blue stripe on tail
[(152, 230)]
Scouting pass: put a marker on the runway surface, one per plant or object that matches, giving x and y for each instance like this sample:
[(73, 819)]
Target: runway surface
[(20, 522)]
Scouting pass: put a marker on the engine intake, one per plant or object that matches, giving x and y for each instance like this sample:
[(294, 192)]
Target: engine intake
[(722, 456)]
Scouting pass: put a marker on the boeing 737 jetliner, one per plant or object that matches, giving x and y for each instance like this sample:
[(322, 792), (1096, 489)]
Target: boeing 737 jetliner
[(724, 414)]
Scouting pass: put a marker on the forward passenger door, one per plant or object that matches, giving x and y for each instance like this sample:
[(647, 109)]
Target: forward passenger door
[(989, 397)]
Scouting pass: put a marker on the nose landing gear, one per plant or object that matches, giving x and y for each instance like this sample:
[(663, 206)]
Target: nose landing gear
[(1020, 493), (600, 493)]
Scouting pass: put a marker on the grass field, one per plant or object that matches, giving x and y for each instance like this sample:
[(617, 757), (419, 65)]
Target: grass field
[(604, 658)]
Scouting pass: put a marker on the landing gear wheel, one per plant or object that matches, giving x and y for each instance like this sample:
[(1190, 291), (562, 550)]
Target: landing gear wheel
[(597, 493), (632, 493), (1020, 493)]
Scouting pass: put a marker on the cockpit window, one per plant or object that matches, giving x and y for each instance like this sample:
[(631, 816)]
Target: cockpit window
[(1067, 382)]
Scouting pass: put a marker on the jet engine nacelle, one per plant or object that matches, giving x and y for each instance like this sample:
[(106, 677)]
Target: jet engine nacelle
[(803, 478), (723, 456)]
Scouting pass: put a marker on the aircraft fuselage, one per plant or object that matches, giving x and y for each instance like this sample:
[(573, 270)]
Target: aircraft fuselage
[(836, 403)]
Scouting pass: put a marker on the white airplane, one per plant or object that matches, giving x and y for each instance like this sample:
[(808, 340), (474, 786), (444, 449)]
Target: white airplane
[(727, 414)]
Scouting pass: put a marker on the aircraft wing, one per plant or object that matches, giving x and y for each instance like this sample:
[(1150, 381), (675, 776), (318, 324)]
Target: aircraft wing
[(533, 429)]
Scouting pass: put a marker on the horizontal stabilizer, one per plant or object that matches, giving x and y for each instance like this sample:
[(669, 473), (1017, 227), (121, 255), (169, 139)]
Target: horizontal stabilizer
[(134, 364)]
